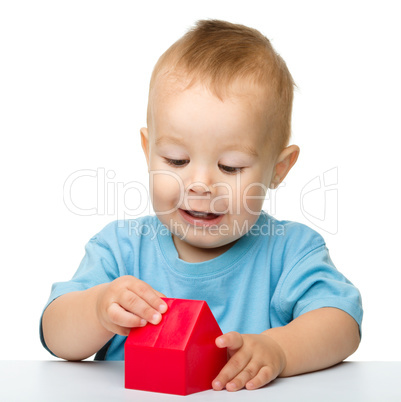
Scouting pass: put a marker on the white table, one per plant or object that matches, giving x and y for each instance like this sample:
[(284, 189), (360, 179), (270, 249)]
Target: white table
[(104, 381)]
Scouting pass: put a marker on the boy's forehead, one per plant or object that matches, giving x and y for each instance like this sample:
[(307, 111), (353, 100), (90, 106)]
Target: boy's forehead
[(173, 83), (244, 92), (242, 100)]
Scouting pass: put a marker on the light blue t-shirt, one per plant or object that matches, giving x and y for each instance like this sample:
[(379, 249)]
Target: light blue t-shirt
[(273, 274)]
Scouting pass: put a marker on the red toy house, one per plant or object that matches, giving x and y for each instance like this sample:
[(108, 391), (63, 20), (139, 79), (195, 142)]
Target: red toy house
[(177, 356)]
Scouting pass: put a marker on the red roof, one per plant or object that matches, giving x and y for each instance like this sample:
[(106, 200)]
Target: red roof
[(180, 351), (182, 314)]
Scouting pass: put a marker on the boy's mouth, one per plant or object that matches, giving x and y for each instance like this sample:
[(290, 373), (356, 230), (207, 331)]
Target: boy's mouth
[(202, 215), (201, 218)]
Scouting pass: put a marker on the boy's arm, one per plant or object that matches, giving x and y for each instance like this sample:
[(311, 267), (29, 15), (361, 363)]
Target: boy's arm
[(77, 324), (313, 341), (71, 329)]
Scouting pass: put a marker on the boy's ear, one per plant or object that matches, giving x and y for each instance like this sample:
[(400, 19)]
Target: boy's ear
[(145, 143), (285, 161)]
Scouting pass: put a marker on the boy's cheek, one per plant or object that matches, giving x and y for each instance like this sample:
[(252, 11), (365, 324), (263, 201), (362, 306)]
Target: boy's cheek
[(165, 191), (253, 197), (170, 181)]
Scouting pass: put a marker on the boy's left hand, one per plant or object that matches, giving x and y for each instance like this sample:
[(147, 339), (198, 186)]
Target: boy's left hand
[(255, 360)]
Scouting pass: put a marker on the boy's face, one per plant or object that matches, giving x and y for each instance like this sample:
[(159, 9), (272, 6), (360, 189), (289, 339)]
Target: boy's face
[(209, 166)]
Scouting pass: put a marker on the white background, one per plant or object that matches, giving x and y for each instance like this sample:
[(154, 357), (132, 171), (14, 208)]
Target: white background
[(73, 92)]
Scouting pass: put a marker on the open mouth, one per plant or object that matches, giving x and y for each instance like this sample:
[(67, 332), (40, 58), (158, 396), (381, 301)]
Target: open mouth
[(202, 215), (201, 218)]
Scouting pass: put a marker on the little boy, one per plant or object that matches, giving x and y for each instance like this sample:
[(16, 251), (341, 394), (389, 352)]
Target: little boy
[(219, 122)]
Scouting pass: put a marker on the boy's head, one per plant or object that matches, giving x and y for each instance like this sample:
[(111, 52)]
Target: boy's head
[(223, 57), (219, 121)]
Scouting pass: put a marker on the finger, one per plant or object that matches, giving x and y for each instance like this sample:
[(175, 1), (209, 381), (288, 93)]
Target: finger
[(123, 318), (148, 294), (134, 304), (249, 372), (265, 375), (231, 370), (121, 321), (231, 340), (159, 293)]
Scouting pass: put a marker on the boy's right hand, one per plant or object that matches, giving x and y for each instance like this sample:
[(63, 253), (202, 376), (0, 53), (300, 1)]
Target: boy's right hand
[(128, 302)]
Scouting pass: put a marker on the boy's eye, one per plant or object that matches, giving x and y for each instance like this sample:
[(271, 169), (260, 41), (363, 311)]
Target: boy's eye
[(183, 162), (230, 169), (176, 162)]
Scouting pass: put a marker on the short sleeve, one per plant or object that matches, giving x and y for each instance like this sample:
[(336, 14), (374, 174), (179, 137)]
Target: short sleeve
[(313, 282), (97, 266)]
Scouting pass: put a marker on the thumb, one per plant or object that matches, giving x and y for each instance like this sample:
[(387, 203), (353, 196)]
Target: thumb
[(231, 340)]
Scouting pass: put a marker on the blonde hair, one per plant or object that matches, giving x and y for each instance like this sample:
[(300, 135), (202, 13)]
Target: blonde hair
[(218, 53)]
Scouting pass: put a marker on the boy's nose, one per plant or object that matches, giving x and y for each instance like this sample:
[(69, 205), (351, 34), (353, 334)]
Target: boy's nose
[(199, 188), (200, 180), (197, 197)]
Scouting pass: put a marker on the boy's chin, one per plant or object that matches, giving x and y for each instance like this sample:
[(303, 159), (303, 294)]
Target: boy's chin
[(208, 242)]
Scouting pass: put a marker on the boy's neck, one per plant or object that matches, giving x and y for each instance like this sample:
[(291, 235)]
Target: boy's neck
[(189, 253)]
